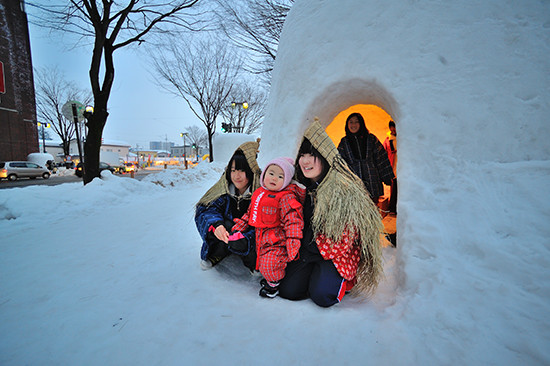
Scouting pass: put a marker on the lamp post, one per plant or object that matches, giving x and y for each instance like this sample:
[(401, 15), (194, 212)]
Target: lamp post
[(184, 135), (245, 106), (75, 118), (47, 125)]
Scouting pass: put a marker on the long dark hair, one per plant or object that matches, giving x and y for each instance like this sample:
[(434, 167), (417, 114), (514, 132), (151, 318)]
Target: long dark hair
[(307, 148), (363, 130), (240, 164)]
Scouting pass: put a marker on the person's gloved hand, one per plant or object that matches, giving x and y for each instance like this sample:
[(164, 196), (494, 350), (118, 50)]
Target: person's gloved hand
[(237, 242)]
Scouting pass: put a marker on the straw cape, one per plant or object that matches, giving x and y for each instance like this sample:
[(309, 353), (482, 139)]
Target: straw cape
[(221, 187), (342, 203)]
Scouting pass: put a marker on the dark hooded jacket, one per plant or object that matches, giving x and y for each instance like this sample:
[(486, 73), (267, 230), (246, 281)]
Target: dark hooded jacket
[(367, 158)]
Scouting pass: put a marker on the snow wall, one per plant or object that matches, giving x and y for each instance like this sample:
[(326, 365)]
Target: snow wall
[(453, 75), (466, 82)]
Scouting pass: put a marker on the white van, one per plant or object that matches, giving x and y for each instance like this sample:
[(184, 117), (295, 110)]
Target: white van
[(43, 159)]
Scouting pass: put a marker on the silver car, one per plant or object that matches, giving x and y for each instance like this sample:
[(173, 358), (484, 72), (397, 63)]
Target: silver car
[(12, 170)]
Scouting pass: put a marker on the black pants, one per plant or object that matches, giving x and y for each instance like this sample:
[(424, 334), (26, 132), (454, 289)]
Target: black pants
[(315, 278), (218, 250), (393, 197)]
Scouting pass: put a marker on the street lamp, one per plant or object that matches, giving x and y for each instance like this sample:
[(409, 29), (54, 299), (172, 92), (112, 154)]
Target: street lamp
[(47, 125), (184, 135), (245, 106), (88, 112)]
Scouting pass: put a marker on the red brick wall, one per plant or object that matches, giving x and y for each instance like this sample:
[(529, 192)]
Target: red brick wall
[(18, 130)]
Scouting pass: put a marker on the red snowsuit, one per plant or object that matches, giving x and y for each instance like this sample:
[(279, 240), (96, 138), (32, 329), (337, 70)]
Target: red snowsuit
[(391, 149), (278, 220)]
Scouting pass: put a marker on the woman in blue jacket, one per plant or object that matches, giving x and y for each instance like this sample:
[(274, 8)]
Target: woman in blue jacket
[(229, 198)]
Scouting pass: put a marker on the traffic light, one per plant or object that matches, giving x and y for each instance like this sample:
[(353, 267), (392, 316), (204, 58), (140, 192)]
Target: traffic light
[(194, 146)]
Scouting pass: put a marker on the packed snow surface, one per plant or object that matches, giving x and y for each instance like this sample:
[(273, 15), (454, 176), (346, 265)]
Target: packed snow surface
[(108, 273)]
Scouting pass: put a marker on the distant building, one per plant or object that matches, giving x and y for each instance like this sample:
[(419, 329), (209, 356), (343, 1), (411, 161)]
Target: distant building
[(160, 145), (55, 148), (18, 130), (179, 151), (120, 147), (163, 154)]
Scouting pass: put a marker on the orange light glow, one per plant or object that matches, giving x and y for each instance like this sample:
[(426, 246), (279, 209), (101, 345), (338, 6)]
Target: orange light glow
[(376, 120)]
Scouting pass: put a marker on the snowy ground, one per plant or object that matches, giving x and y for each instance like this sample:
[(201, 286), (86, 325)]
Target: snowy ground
[(108, 273)]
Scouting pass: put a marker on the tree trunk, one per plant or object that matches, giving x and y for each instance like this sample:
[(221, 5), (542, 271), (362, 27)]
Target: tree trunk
[(66, 148), (92, 146), (210, 147)]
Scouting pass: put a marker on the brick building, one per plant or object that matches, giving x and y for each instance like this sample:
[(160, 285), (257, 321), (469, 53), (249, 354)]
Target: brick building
[(18, 130)]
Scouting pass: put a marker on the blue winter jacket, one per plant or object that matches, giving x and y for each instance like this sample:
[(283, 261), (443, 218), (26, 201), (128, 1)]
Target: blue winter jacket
[(215, 214)]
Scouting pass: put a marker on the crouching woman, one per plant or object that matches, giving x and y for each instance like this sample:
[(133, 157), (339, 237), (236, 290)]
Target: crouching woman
[(340, 247), (226, 200)]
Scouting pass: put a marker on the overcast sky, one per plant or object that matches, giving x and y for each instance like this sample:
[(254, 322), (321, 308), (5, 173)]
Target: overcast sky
[(138, 111)]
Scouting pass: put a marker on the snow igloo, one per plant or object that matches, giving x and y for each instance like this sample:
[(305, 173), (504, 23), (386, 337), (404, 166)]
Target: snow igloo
[(466, 82)]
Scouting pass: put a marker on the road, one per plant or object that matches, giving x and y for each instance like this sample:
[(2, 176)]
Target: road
[(60, 179)]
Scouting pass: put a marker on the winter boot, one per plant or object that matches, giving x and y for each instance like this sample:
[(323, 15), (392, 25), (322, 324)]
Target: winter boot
[(269, 289), (210, 262)]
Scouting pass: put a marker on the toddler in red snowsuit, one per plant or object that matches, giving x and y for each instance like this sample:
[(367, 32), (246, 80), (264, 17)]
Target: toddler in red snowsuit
[(275, 212)]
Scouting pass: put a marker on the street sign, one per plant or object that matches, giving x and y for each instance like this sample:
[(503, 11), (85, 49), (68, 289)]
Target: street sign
[(67, 110)]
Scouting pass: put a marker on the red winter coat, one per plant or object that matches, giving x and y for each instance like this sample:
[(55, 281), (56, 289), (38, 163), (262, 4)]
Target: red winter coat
[(279, 222), (345, 254)]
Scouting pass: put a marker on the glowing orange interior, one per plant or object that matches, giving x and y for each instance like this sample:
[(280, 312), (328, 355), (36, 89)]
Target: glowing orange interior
[(376, 120)]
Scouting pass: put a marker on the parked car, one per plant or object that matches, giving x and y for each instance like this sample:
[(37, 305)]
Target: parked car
[(127, 168), (102, 166), (105, 166), (13, 170)]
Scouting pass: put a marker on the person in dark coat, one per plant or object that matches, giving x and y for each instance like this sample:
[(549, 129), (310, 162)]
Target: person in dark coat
[(226, 200), (366, 156)]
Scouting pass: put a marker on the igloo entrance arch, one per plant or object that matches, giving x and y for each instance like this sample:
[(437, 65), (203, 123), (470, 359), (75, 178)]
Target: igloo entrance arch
[(331, 105), (285, 133), (344, 94)]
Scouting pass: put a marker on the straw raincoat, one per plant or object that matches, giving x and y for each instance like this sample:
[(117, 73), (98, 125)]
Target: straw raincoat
[(214, 207), (346, 223)]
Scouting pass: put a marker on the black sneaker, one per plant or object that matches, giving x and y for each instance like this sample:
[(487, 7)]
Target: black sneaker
[(268, 290), (215, 260)]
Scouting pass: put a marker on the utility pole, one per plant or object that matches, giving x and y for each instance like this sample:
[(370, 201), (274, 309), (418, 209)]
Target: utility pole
[(184, 135), (43, 133)]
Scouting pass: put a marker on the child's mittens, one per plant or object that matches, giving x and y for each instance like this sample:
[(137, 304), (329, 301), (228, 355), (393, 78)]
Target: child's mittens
[(238, 243)]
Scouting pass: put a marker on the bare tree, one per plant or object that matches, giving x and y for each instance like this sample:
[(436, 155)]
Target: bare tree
[(111, 25), (255, 26), (203, 74), (247, 120), (52, 92), (197, 138)]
